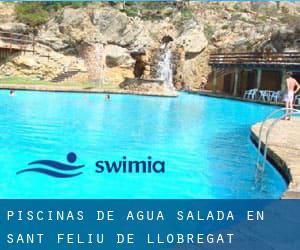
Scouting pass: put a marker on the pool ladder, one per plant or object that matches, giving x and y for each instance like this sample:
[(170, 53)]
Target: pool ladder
[(260, 163)]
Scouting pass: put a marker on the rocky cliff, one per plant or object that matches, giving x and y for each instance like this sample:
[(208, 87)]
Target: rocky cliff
[(130, 41)]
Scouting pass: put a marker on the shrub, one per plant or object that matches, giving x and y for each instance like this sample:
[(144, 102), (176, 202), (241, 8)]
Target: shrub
[(208, 31), (38, 13), (32, 14), (132, 12), (284, 10), (187, 13)]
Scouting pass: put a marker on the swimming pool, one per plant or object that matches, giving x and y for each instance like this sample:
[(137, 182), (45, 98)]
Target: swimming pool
[(204, 142)]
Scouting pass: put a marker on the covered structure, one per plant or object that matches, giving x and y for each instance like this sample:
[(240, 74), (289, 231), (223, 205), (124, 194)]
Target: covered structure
[(234, 73), (15, 43)]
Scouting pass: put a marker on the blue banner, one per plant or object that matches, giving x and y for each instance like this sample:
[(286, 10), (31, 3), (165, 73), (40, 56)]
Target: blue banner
[(149, 224)]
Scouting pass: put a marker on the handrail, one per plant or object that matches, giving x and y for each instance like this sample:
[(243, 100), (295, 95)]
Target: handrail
[(279, 58), (254, 53), (256, 57), (297, 112), (292, 112), (17, 41), (260, 167), (13, 33)]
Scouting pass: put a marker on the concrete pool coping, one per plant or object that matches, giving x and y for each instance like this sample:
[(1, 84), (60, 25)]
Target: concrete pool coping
[(230, 97), (78, 89), (283, 152)]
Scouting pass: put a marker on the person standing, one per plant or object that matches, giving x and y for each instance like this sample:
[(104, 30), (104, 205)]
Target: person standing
[(203, 83), (292, 88)]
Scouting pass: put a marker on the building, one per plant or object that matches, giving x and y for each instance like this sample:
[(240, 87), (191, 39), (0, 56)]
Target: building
[(234, 73)]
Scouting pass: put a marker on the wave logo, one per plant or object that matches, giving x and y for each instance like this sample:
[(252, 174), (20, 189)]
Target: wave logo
[(55, 168)]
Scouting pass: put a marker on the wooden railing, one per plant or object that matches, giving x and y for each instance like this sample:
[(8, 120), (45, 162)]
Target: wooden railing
[(255, 58), (16, 41)]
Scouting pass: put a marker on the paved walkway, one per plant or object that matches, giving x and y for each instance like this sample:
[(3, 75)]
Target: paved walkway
[(284, 151)]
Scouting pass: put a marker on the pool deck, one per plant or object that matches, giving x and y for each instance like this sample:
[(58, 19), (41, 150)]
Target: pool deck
[(283, 151), (80, 89)]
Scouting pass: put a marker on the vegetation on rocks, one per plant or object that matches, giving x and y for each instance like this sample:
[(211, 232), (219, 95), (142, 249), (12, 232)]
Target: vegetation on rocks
[(32, 14), (209, 31), (38, 13)]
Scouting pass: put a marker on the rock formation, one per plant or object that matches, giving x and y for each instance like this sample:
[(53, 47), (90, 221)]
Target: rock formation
[(131, 41)]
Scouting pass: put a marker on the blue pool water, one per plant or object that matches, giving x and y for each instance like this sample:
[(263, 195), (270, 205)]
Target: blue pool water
[(204, 142)]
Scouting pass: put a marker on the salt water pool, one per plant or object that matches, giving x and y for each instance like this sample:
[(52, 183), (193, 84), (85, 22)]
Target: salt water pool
[(203, 141)]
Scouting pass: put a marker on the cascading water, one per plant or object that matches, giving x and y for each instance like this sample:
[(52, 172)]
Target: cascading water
[(165, 71), (94, 57), (100, 66)]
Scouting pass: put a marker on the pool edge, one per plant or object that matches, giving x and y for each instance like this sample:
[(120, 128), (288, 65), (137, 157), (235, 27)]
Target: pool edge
[(61, 89), (233, 98), (281, 164)]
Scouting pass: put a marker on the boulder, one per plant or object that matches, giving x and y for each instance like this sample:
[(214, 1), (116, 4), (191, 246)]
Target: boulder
[(137, 36), (73, 17), (192, 38), (52, 40), (76, 27), (14, 27), (194, 69), (25, 61), (118, 56), (111, 23)]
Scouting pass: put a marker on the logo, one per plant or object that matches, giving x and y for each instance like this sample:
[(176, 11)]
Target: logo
[(61, 170), (55, 168)]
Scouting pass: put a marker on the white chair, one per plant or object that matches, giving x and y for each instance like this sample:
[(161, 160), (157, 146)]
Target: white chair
[(253, 94), (275, 96), (263, 95), (250, 94), (246, 94)]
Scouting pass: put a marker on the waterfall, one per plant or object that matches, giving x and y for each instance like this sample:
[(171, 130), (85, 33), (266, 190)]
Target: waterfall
[(94, 57), (100, 59), (165, 71)]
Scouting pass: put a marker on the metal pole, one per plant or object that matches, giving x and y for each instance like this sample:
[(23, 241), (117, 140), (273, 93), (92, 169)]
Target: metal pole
[(236, 81), (258, 78)]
